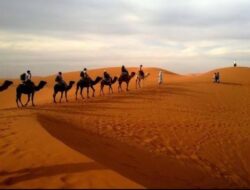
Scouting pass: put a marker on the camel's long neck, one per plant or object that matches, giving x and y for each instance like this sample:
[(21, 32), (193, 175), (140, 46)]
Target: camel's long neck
[(39, 87), (114, 80), (69, 87), (130, 77), (4, 86), (146, 76), (95, 82)]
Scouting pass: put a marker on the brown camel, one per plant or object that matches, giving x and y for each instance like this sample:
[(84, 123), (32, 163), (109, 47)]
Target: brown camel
[(86, 83), (29, 88), (126, 79), (139, 78), (108, 83), (62, 88), (5, 85)]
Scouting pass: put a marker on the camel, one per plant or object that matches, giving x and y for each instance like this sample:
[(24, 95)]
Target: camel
[(86, 83), (5, 85), (125, 78), (62, 88), (105, 83), (139, 78), (28, 89)]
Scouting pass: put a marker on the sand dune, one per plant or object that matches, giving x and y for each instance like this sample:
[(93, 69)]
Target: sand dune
[(187, 133)]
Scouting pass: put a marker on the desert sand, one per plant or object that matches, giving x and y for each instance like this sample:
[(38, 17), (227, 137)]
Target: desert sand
[(186, 133)]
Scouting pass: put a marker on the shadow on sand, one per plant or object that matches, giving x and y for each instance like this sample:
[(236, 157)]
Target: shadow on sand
[(47, 171), (147, 169)]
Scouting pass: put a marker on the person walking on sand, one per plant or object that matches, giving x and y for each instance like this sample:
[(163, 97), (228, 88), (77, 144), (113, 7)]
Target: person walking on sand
[(235, 64), (160, 78), (218, 77), (215, 77)]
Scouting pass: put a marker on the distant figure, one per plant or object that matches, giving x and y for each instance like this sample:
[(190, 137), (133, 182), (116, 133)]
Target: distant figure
[(160, 78), (107, 77), (124, 71), (235, 64), (217, 77), (59, 79)]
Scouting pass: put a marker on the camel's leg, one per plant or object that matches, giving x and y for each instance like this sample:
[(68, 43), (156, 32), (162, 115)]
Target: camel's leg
[(136, 83), (66, 97), (111, 89), (120, 87), (87, 92), (93, 94), (81, 93), (127, 86), (101, 90), (77, 91), (61, 96), (17, 100), (20, 100), (32, 99), (27, 100), (54, 97)]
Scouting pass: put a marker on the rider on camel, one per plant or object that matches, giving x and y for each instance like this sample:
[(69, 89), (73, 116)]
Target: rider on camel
[(84, 75), (107, 76), (59, 79), (124, 71), (26, 77)]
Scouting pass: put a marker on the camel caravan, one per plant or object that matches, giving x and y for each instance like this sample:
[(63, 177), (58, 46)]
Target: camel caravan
[(28, 87)]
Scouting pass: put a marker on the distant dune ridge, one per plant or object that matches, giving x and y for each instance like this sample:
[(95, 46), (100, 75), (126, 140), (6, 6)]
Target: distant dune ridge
[(186, 133)]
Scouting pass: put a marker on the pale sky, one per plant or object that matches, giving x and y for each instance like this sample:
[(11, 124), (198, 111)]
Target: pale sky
[(184, 36)]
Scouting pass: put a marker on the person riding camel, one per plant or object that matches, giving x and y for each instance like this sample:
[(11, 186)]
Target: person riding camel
[(84, 75), (26, 77), (124, 71), (106, 76), (59, 79), (141, 72)]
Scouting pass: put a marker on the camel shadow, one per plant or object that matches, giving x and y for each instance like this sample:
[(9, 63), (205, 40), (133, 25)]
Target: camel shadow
[(47, 171), (231, 83), (145, 168)]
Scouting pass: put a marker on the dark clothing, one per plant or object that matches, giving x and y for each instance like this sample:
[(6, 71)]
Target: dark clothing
[(84, 75), (107, 77), (124, 71), (141, 72), (60, 80)]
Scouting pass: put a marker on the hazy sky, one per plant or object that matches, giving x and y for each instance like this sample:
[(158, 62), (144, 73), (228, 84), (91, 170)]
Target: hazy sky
[(184, 36)]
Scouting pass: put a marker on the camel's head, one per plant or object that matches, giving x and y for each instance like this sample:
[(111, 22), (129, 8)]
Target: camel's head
[(132, 74), (98, 79), (8, 82), (71, 83), (42, 83)]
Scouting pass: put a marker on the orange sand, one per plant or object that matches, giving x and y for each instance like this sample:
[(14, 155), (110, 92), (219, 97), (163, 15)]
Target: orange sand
[(187, 133)]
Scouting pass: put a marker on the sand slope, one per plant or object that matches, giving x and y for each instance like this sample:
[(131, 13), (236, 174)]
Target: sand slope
[(186, 133)]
